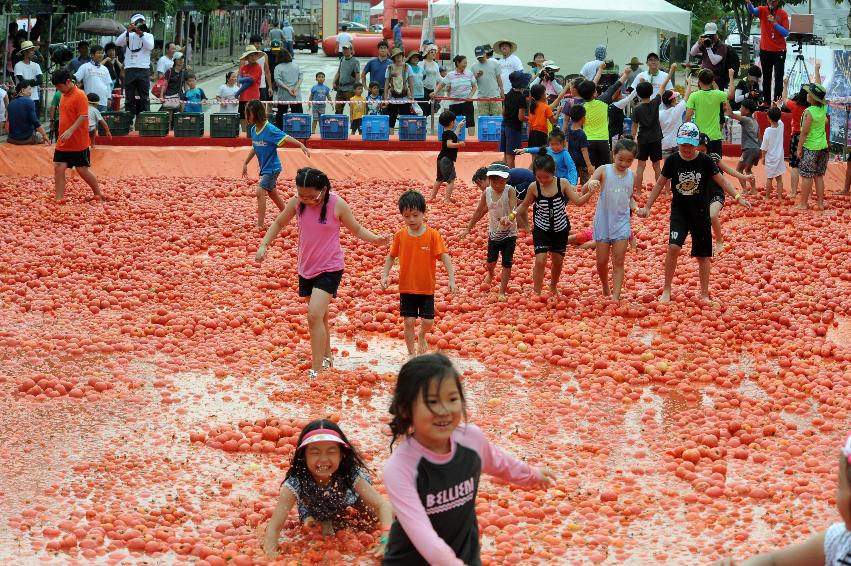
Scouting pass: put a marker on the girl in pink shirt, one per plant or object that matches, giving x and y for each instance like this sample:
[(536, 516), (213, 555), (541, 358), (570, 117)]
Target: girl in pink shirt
[(433, 475), (320, 214)]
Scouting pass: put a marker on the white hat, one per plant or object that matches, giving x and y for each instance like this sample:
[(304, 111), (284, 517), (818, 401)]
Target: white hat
[(136, 18), (551, 65), (711, 28), (249, 49), (499, 170), (177, 55)]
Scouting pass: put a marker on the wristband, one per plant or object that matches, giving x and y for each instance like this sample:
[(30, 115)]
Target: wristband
[(383, 539), (737, 196)]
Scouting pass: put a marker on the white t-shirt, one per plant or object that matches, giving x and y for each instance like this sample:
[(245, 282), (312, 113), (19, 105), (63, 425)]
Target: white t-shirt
[(3, 95), (29, 71), (164, 64), (228, 93), (343, 37), (94, 118), (95, 79), (509, 65), (138, 52), (262, 62), (670, 120), (772, 144), (589, 69), (655, 80), (837, 545)]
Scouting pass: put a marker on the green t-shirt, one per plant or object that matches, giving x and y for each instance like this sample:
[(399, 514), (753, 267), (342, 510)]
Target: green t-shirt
[(596, 120), (816, 138), (707, 111)]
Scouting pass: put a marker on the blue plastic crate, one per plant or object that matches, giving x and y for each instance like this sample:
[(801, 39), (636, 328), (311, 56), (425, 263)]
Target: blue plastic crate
[(412, 128), (334, 127), (297, 125), (376, 127), (462, 135), (489, 128)]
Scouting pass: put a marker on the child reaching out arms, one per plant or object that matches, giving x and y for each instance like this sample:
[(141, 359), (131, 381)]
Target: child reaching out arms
[(417, 246), (433, 475), (326, 478)]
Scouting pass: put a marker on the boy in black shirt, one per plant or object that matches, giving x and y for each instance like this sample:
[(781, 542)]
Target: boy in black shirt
[(689, 172), (514, 113), (645, 117), (449, 145)]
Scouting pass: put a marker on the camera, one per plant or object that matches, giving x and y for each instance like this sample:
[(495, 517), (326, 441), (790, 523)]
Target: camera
[(707, 42), (547, 74)]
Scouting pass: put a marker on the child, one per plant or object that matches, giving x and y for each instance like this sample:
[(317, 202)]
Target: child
[(565, 166), (813, 151), (577, 143), (53, 115), (703, 106), (497, 201), (831, 546), (433, 475), (597, 117), (318, 94), (670, 118), (95, 118), (514, 113), (417, 246), (772, 153), (357, 108), (193, 95), (326, 478), (645, 118), (612, 228), (519, 178), (373, 99), (539, 114), (549, 217), (750, 140), (227, 94), (449, 145), (265, 141), (689, 172)]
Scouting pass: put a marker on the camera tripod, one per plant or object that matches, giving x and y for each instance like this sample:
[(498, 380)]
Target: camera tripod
[(799, 66)]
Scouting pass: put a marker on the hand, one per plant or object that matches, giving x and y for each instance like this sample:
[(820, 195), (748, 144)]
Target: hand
[(384, 283), (109, 136), (770, 19), (479, 74), (520, 151), (66, 136), (382, 240), (464, 233), (378, 551), (643, 212), (261, 253), (592, 185), (431, 95), (743, 201), (304, 150), (750, 177), (545, 477), (731, 73), (672, 68)]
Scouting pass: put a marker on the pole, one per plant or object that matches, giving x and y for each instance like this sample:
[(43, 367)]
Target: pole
[(688, 45), (6, 46), (845, 147)]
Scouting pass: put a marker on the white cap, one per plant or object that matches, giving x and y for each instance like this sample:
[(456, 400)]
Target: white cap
[(711, 28), (136, 18)]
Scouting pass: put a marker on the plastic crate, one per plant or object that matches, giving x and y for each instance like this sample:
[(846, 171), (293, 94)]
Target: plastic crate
[(334, 127), (489, 128), (224, 125), (462, 135), (189, 124), (412, 128), (376, 127), (118, 122), (297, 125), (153, 124)]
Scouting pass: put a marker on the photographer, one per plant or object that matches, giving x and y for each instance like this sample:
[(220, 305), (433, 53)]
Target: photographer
[(748, 89), (137, 64), (713, 52), (773, 29), (547, 77)]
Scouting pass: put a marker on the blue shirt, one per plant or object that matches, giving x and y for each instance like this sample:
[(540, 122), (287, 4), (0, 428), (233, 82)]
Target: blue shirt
[(377, 71), (193, 100), (397, 35), (565, 167), (520, 178), (319, 93), (576, 140), (288, 33), (23, 120), (266, 143)]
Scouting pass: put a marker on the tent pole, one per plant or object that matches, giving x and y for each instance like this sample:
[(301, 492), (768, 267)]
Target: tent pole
[(688, 45)]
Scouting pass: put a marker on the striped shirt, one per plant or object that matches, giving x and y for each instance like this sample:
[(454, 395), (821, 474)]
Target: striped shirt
[(550, 213), (459, 85), (837, 546)]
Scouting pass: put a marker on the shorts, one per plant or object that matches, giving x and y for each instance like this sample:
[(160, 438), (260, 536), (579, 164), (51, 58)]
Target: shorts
[(510, 139), (652, 151), (269, 180), (716, 193), (694, 220), (328, 282), (317, 111), (34, 139), (750, 157), (599, 152), (416, 306), (465, 109), (813, 163), (537, 138), (490, 108), (505, 247), (793, 150), (445, 170), (73, 158), (546, 241)]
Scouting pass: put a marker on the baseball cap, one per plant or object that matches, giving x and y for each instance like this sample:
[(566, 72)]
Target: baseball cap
[(711, 28), (276, 44), (480, 51), (669, 95), (688, 133), (136, 18), (498, 170), (345, 45)]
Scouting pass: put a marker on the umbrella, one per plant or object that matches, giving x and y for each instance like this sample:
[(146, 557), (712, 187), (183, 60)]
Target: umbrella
[(101, 26)]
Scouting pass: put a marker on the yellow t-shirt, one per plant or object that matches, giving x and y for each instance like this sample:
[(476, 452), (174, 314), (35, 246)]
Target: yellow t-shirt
[(596, 120), (358, 107)]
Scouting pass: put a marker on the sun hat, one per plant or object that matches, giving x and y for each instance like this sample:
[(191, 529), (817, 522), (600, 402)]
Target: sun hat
[(396, 51), (550, 65), (430, 47), (711, 28), (26, 45), (412, 54), (136, 18), (249, 49), (816, 91), (688, 133), (499, 170), (634, 61), (499, 43), (177, 56), (322, 435)]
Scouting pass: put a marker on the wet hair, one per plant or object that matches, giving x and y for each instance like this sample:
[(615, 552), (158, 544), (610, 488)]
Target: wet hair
[(586, 90), (626, 144), (190, 76), (705, 76), (458, 58), (556, 135), (754, 71), (412, 200), (357, 86), (446, 117), (93, 97), (544, 162), (320, 74), (481, 174), (313, 179), (257, 111), (577, 112), (537, 92), (774, 114), (94, 50), (60, 77), (644, 90), (414, 380)]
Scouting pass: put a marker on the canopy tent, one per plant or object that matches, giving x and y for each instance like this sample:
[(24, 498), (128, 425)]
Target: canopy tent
[(377, 10), (566, 31)]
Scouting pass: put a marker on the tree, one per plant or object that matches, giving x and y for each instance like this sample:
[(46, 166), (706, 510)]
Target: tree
[(848, 17), (702, 11)]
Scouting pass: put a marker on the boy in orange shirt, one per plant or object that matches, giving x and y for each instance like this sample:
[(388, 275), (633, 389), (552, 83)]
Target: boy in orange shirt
[(72, 145), (417, 246)]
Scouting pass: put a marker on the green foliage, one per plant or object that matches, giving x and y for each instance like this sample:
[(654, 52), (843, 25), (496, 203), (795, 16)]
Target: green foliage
[(702, 11)]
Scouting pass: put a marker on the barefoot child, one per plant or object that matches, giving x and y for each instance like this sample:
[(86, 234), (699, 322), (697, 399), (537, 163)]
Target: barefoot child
[(265, 141), (772, 153), (417, 246), (565, 166), (831, 546), (498, 199), (433, 475), (750, 141), (327, 477), (96, 118), (519, 178), (813, 151), (577, 143), (612, 226), (689, 172), (449, 145), (550, 195)]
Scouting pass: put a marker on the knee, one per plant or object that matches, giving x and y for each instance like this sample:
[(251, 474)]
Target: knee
[(315, 316), (673, 250), (617, 261), (259, 192)]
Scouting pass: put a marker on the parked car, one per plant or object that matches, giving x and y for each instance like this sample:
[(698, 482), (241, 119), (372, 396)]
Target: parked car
[(353, 26), (307, 34), (376, 28), (734, 39)]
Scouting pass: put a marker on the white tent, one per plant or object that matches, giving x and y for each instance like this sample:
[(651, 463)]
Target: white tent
[(377, 10), (566, 31)]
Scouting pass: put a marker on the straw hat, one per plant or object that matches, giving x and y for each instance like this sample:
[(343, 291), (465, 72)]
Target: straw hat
[(412, 54), (249, 49), (498, 44), (26, 45), (396, 51), (816, 91)]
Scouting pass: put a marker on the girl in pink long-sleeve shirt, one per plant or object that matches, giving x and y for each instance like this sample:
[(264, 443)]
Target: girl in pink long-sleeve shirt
[(433, 475)]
